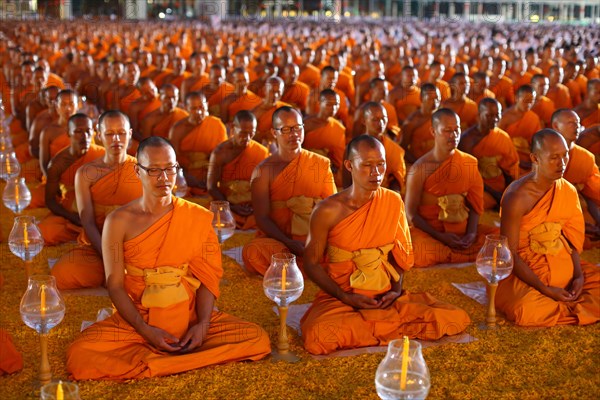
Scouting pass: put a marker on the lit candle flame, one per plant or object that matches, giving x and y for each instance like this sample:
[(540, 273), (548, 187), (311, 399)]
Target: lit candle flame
[(404, 371), (43, 301)]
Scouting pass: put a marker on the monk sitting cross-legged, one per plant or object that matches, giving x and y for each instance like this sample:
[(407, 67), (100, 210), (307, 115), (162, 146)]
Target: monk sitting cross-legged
[(357, 251), (285, 187), (163, 267), (231, 165), (498, 161), (416, 130), (444, 199), (100, 186), (549, 285), (63, 223), (194, 138)]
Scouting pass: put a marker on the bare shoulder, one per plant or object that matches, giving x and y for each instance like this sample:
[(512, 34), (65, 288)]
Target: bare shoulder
[(517, 197), (332, 209)]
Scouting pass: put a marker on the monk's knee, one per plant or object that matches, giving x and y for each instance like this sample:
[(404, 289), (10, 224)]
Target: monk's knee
[(322, 337)]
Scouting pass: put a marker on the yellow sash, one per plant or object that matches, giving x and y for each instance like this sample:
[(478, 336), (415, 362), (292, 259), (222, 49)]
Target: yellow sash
[(197, 159), (373, 269), (301, 207), (452, 208), (488, 167), (239, 192), (521, 144), (547, 238), (163, 285)]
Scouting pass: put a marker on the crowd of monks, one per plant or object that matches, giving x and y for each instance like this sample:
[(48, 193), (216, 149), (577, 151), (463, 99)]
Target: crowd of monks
[(364, 152)]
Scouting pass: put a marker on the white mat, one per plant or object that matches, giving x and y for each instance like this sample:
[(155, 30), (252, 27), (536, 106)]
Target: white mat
[(236, 254), (296, 312), (474, 290)]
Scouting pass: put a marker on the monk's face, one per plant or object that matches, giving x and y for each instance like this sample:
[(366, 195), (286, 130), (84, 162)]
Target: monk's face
[(290, 74), (243, 132), (81, 133), (66, 105), (568, 125), (335, 62), (556, 75), (409, 78), (289, 131), (525, 101), (241, 80), (594, 92), (154, 158), (330, 105), (40, 78), (273, 90), (329, 79), (197, 107), (480, 84), (376, 120), (216, 75), (447, 132), (132, 73), (27, 73), (169, 97), (115, 134), (367, 166), (460, 85), (552, 158), (490, 116), (431, 99), (540, 86), (379, 92), (50, 96)]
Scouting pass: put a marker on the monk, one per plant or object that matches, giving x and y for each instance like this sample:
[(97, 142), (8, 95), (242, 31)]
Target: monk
[(519, 74), (231, 165), (444, 198), (285, 187), (217, 88), (179, 73), (54, 138), (160, 121), (309, 74), (241, 98), (459, 102), (549, 285), (147, 102), (378, 92), (199, 77), (194, 138), (163, 283), (406, 96), (558, 92), (295, 93), (328, 80), (11, 360), (581, 171), (37, 104), (100, 186), (42, 120), (543, 106), (265, 110), (589, 109), (357, 251), (498, 161), (500, 84), (480, 87), (435, 73), (128, 92), (324, 134), (521, 123), (63, 223), (417, 138)]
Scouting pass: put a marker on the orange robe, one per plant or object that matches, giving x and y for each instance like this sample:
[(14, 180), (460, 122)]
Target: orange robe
[(265, 121), (235, 180), (458, 176), (422, 139), (310, 75), (544, 108), (504, 90), (126, 101), (521, 132), (196, 146), (408, 104), (245, 102), (11, 360), (113, 349), (561, 96), (163, 127), (152, 106), (56, 229), (575, 92), (525, 305), (467, 112), (308, 176), (297, 95), (329, 140), (82, 266), (486, 93), (496, 156), (395, 165), (60, 142), (592, 119), (224, 90), (331, 325), (391, 113)]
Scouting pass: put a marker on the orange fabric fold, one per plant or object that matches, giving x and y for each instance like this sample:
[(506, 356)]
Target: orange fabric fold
[(163, 127), (330, 137)]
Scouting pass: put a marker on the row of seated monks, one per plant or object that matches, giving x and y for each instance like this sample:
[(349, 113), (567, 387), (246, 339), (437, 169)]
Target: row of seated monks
[(365, 162)]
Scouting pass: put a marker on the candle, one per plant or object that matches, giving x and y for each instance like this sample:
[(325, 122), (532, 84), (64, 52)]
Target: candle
[(283, 277), (494, 260), (404, 363), (60, 394), (43, 301)]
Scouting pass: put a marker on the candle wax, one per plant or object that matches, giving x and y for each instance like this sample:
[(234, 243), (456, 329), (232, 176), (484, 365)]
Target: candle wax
[(283, 277), (60, 394), (404, 371), (43, 301)]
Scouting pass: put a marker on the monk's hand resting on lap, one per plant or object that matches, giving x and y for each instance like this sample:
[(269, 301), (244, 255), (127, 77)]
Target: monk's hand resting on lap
[(468, 240), (359, 301), (388, 298), (450, 239), (558, 294), (296, 247), (576, 287), (160, 339), (193, 338), (242, 209)]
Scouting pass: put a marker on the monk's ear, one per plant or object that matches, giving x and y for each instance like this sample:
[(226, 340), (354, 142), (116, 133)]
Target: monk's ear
[(533, 157), (348, 165)]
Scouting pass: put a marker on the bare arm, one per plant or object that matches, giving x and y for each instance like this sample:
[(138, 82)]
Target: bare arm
[(44, 151), (85, 206), (114, 267), (55, 169), (215, 168)]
